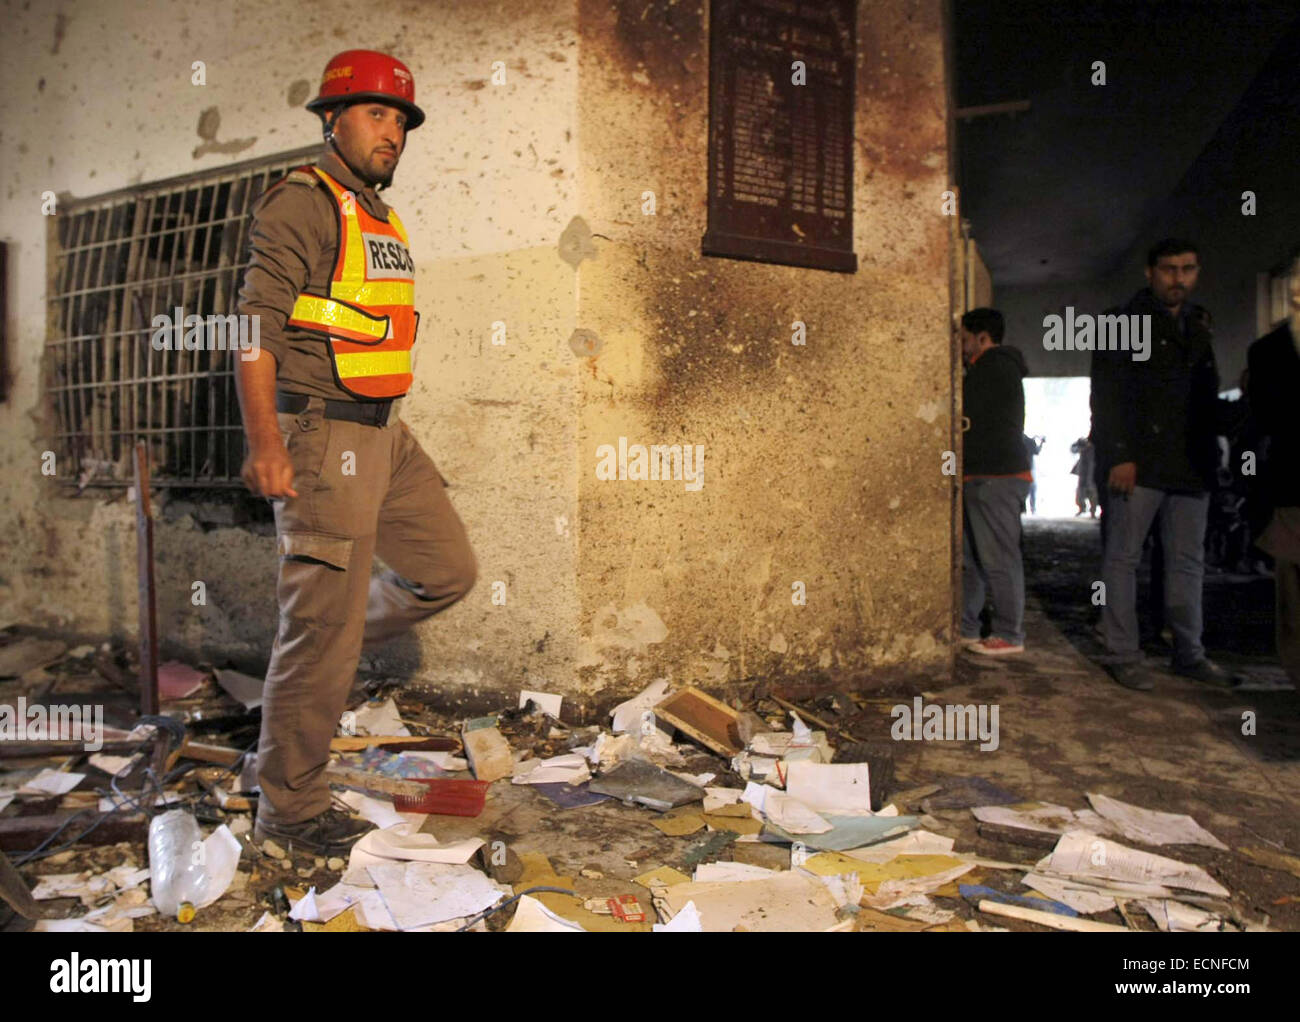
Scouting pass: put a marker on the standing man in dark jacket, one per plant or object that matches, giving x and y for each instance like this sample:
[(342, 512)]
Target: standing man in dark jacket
[(995, 483), (1274, 382), (1154, 426)]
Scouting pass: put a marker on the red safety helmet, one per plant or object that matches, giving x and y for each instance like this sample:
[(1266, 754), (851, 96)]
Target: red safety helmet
[(354, 76)]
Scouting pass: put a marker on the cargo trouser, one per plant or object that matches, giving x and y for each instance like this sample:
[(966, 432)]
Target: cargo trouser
[(362, 490)]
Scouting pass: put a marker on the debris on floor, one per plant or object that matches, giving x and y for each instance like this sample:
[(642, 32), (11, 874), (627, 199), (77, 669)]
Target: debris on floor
[(771, 812)]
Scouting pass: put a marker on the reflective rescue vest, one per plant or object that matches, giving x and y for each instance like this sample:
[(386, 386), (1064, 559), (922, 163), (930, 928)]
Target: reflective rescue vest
[(369, 317)]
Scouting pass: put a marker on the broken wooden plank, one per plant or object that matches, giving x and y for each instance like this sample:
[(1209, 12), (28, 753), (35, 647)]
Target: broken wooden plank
[(22, 833), (20, 750), (369, 781), (1033, 915), (1018, 835), (805, 716), (205, 753), (712, 723)]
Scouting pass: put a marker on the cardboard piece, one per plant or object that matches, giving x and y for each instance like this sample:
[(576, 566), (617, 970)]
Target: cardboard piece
[(679, 822), (635, 780), (783, 902), (849, 832), (710, 722), (488, 753)]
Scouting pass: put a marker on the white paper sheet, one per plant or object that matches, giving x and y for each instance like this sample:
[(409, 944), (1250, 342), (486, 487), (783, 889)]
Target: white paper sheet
[(51, 782), (786, 901), (716, 798), (841, 788), (114, 766), (67, 926), (1152, 827), (378, 811), (1077, 896), (570, 768), (1049, 819), (379, 720), (1175, 917), (421, 893), (243, 688), (403, 843), (793, 816), (687, 920), (549, 702), (267, 924), (730, 872), (305, 908), (627, 715), (531, 916), (1079, 853), (916, 842)]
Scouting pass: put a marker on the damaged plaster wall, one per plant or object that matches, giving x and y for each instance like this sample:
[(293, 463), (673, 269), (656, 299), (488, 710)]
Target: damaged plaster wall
[(101, 96), (523, 202), (822, 462)]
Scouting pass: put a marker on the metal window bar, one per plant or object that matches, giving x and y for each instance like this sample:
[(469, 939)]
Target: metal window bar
[(120, 260)]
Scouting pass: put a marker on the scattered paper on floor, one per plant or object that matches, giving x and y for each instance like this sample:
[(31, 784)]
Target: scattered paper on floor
[(786, 901), (531, 916), (687, 920), (421, 893), (1079, 853), (379, 720), (627, 715), (402, 842), (840, 788), (51, 782), (1152, 827)]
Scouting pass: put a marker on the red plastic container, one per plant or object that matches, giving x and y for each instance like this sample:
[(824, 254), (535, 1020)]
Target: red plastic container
[(446, 796)]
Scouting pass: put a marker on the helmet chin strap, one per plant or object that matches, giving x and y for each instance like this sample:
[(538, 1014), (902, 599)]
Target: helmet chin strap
[(329, 137)]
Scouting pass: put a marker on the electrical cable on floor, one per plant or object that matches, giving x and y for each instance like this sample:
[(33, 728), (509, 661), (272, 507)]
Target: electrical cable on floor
[(41, 851)]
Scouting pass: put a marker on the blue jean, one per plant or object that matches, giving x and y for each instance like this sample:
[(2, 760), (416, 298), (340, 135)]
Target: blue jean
[(1182, 531), (991, 561)]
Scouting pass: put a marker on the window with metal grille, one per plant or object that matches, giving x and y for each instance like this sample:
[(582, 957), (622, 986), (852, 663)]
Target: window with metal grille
[(120, 259)]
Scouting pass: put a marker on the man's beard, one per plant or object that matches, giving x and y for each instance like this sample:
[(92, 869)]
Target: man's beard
[(380, 178), (1295, 327)]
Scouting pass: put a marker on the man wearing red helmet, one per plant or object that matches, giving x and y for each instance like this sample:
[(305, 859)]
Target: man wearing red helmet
[(332, 279)]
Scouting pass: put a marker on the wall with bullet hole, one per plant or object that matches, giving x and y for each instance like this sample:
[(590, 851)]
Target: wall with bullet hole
[(524, 206)]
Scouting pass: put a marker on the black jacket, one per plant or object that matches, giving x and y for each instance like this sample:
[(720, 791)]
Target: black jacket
[(1161, 413), (993, 398), (1274, 387)]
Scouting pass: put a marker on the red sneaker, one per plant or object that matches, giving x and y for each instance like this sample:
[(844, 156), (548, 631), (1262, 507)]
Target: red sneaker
[(995, 647)]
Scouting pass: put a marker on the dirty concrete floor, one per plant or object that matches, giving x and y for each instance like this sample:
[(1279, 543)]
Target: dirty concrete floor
[(1065, 729)]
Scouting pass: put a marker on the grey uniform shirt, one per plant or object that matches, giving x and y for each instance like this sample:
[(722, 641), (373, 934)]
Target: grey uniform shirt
[(292, 247)]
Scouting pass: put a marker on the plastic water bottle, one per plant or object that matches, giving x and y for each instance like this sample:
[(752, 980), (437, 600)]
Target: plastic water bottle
[(179, 877)]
